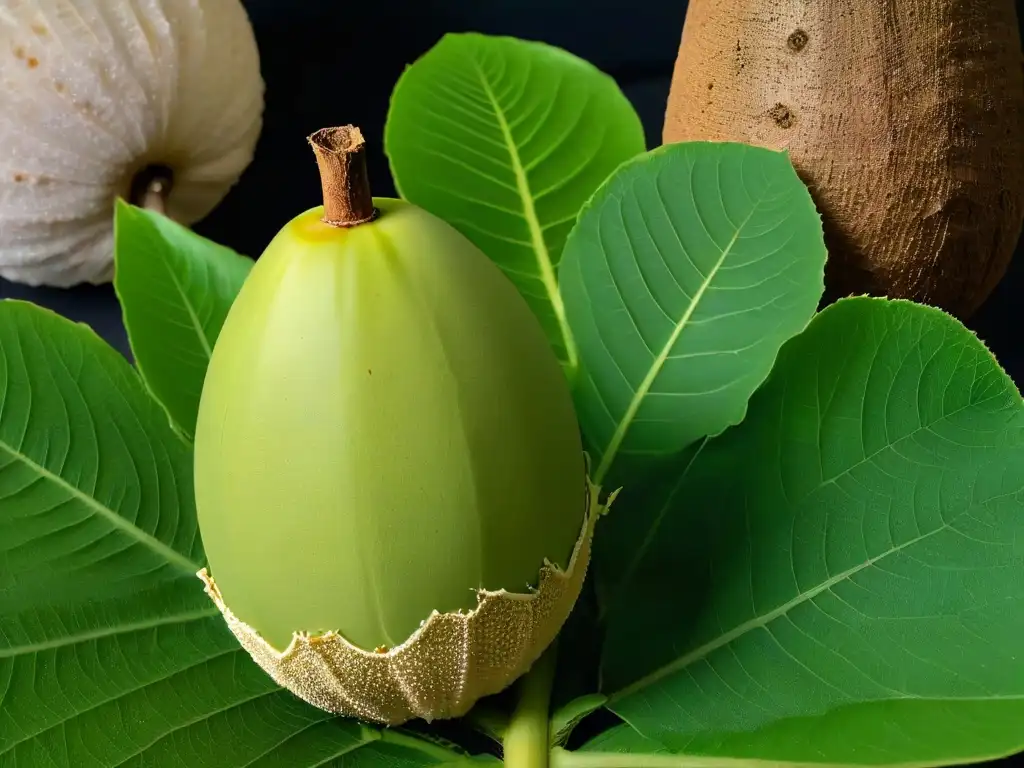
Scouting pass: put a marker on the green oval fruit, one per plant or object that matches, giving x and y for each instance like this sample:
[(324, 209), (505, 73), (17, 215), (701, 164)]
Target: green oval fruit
[(384, 431)]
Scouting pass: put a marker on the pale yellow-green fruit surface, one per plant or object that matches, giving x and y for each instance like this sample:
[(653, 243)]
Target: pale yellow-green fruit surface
[(383, 431)]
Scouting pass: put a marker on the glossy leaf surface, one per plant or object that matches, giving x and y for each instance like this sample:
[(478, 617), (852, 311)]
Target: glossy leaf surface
[(175, 289), (855, 541), (685, 275)]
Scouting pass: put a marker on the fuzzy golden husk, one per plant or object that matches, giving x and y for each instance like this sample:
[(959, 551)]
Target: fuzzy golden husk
[(446, 665), (904, 117)]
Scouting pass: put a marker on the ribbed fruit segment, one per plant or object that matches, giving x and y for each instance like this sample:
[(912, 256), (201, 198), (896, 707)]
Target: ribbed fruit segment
[(445, 666)]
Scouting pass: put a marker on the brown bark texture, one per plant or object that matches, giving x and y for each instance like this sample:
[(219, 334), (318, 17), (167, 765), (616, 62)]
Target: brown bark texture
[(341, 157), (905, 118)]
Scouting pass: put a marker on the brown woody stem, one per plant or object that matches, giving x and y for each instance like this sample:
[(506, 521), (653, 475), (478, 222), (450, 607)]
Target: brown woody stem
[(340, 154)]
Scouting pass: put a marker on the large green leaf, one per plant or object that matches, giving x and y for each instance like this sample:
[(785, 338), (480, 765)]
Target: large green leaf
[(686, 272), (175, 289), (110, 652), (506, 139), (918, 732), (857, 540)]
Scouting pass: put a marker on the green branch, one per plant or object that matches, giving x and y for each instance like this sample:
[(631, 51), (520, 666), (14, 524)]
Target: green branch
[(527, 742)]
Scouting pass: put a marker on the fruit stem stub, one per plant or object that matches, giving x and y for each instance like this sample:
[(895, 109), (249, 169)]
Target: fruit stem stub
[(150, 188), (340, 154)]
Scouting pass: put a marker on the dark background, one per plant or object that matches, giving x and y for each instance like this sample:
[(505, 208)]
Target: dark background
[(329, 63)]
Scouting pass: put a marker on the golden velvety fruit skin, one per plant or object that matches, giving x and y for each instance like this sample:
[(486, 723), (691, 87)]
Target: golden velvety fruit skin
[(383, 430), (904, 117)]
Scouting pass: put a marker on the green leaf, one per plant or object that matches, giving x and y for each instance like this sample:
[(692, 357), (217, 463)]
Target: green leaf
[(110, 652), (686, 272), (920, 732), (566, 718), (857, 540), (622, 739), (175, 289), (506, 139)]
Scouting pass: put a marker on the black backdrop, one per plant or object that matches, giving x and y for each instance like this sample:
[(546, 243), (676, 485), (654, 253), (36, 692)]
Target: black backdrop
[(330, 63)]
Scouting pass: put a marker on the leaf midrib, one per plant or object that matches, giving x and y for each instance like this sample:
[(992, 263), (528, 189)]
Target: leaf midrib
[(540, 248), (615, 442), (117, 521), (197, 325)]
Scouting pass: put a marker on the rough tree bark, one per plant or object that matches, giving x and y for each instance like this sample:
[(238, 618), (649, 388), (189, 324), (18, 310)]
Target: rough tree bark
[(904, 117)]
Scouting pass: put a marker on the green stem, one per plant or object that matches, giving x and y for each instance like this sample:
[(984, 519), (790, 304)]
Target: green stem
[(527, 738)]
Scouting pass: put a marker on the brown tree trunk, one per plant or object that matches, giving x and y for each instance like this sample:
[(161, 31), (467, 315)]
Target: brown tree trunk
[(904, 117)]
